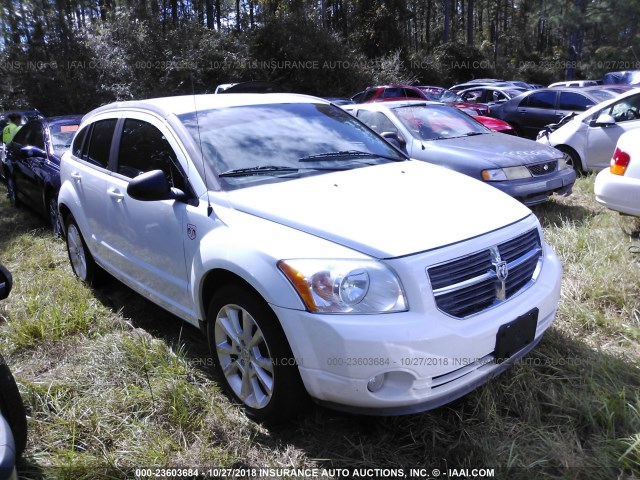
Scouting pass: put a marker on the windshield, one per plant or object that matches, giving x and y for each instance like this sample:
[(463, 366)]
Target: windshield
[(437, 122), (602, 95), (61, 136), (275, 142)]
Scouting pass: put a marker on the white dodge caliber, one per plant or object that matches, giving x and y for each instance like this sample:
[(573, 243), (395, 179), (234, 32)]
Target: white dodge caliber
[(316, 258)]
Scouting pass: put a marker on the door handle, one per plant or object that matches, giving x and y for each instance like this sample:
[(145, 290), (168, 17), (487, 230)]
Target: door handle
[(76, 176), (115, 194)]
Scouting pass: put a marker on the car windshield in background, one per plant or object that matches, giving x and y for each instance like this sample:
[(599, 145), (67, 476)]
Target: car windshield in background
[(602, 95), (61, 137), (435, 122), (252, 144)]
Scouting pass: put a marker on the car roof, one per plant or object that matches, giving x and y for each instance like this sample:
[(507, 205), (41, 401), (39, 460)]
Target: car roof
[(390, 105), (62, 119), (181, 104)]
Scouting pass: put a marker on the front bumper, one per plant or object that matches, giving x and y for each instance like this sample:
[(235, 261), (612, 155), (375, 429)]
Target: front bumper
[(531, 191), (618, 192), (428, 357)]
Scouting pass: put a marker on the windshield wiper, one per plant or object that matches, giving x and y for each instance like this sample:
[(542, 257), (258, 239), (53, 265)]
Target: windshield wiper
[(261, 170), (473, 134), (346, 155)]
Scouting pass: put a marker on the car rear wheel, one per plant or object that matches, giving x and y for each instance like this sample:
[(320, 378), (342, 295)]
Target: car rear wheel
[(12, 195), (252, 357), (12, 408), (82, 262), (54, 217)]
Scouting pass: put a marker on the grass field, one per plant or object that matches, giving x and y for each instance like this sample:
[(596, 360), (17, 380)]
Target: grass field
[(113, 383)]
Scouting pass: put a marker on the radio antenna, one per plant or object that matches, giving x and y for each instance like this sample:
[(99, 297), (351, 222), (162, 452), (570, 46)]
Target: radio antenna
[(204, 168)]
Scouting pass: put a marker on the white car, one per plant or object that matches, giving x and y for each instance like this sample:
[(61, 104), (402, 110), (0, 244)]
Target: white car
[(618, 187), (315, 257), (588, 139)]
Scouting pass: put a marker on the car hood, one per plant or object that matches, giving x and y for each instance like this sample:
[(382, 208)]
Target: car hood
[(491, 149), (386, 210)]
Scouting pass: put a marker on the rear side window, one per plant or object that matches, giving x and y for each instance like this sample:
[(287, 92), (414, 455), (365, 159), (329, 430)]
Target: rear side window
[(100, 142), (541, 100), (574, 101)]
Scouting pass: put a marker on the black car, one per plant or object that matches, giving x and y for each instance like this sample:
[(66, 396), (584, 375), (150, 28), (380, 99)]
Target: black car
[(530, 112), (32, 164), (13, 421), (26, 115)]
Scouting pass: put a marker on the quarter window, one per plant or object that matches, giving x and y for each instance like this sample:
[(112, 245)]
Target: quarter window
[(76, 147)]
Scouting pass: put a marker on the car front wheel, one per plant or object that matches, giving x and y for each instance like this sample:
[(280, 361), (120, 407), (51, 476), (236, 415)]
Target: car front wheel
[(252, 357)]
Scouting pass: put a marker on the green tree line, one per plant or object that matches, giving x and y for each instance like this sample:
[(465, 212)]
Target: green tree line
[(68, 56)]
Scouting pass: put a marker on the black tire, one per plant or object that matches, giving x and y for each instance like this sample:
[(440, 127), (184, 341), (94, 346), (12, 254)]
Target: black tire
[(572, 158), (12, 408), (262, 377), (12, 194), (82, 262), (54, 217)]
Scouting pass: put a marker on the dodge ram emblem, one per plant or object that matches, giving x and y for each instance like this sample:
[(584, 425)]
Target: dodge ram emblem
[(191, 231)]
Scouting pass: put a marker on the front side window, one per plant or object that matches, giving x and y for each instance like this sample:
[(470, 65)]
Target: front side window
[(31, 134), (99, 146), (144, 148), (574, 101), (626, 109), (377, 121)]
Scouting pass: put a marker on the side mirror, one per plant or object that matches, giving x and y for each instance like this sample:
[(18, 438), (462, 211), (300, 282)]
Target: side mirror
[(6, 282), (33, 152), (603, 120), (152, 186), (394, 139)]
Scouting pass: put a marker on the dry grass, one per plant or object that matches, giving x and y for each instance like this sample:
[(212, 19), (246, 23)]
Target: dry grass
[(113, 383)]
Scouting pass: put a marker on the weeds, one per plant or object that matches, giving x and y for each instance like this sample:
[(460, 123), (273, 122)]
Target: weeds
[(113, 384)]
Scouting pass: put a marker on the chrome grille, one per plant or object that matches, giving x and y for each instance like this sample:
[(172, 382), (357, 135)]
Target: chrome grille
[(468, 285), (543, 168)]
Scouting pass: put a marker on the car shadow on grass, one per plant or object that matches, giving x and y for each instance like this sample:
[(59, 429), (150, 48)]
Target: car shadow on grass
[(556, 214)]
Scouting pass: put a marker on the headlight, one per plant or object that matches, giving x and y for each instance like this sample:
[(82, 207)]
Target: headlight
[(345, 286), (562, 163), (508, 173)]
